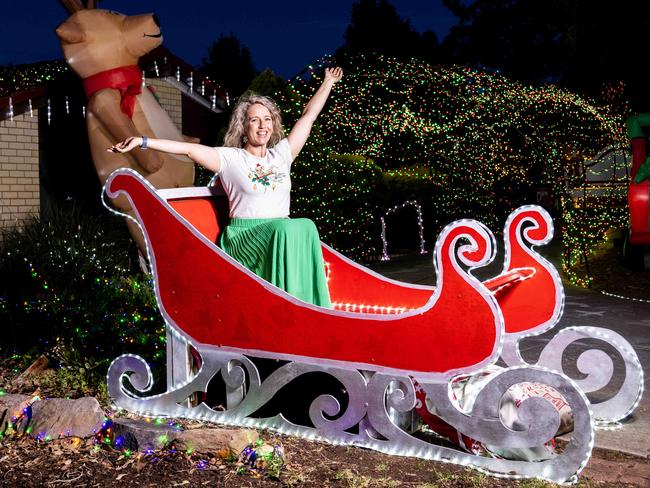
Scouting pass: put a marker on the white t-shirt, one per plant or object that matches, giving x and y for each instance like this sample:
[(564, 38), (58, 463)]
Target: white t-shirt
[(257, 188)]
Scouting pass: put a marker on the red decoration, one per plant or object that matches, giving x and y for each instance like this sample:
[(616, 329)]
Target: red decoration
[(541, 286), (208, 296), (126, 79), (637, 196)]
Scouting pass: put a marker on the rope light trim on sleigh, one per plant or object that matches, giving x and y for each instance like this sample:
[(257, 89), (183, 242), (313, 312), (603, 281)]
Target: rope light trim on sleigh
[(364, 308), (146, 382)]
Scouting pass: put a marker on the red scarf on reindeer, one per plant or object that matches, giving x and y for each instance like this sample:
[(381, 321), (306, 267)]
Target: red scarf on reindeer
[(127, 79)]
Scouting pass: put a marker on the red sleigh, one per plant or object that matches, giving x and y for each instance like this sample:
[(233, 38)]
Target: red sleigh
[(382, 337), (530, 295)]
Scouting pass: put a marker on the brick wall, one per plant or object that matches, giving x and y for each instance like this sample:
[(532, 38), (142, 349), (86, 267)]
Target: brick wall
[(19, 158), (171, 100), (19, 176)]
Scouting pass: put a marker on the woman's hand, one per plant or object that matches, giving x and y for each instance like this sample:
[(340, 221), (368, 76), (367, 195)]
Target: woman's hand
[(126, 145), (333, 74)]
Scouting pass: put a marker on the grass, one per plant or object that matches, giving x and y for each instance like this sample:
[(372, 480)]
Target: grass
[(355, 480)]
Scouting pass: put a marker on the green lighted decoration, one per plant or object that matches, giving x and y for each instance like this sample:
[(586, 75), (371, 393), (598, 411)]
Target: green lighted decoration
[(483, 143)]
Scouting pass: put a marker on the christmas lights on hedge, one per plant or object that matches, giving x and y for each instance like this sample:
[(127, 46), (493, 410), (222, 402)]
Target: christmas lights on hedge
[(457, 118)]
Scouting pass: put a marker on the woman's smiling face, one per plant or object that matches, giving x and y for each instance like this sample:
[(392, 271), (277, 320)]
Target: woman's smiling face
[(259, 125)]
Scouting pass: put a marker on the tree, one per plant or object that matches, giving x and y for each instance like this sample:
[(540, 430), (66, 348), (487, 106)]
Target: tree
[(375, 27), (269, 84), (581, 44), (229, 64), (517, 37)]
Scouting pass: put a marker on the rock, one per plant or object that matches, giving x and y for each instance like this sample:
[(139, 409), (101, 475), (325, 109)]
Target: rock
[(211, 440), (10, 400), (142, 436), (58, 417), (10, 406), (242, 438), (202, 440)]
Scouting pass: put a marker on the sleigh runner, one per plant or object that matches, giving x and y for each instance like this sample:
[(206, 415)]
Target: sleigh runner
[(384, 338)]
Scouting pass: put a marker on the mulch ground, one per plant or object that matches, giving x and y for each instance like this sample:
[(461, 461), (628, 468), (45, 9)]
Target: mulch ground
[(25, 462)]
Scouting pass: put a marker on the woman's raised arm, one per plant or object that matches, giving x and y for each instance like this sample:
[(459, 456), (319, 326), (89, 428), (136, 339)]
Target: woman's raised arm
[(206, 156), (300, 132)]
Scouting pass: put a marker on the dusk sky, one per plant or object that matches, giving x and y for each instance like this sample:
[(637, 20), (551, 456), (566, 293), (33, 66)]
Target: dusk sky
[(282, 35)]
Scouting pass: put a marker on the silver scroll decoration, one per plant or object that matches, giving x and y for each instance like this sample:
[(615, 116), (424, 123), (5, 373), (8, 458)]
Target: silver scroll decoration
[(595, 364), (368, 419)]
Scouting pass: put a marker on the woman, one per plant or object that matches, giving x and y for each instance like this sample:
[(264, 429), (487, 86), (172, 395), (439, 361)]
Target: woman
[(254, 168)]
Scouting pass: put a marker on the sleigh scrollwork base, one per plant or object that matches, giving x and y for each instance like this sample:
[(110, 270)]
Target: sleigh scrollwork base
[(368, 417)]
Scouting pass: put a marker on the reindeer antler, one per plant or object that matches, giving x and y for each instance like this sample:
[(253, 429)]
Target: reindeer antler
[(73, 5)]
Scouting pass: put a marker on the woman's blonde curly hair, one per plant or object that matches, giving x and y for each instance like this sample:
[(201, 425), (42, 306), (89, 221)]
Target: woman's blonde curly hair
[(236, 127)]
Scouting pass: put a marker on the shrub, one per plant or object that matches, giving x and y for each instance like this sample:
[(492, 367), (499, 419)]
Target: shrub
[(341, 194), (66, 279)]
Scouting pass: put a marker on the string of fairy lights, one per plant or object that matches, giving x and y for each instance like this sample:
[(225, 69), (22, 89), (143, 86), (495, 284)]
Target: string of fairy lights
[(19, 78), (256, 458), (418, 209), (16, 78), (129, 324), (68, 282)]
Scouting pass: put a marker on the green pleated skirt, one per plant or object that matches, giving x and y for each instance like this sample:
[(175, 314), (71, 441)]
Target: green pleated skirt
[(285, 252)]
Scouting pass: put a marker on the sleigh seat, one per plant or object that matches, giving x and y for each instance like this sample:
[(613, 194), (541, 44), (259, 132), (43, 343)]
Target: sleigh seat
[(353, 287)]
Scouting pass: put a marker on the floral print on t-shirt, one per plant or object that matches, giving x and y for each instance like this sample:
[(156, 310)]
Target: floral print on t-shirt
[(266, 176)]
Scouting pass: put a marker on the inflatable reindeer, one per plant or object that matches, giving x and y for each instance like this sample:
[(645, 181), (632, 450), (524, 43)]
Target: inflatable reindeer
[(103, 48)]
